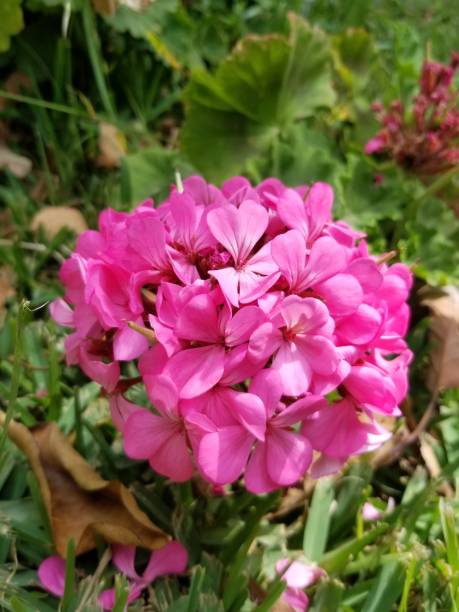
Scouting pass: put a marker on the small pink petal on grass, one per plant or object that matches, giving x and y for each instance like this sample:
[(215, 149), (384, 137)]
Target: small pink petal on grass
[(51, 574), (171, 559), (299, 575)]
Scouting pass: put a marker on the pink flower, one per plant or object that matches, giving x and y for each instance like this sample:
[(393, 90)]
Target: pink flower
[(320, 271), (308, 216), (223, 425), (199, 367), (284, 455), (250, 305), (424, 139), (51, 574), (239, 230), (372, 513), (301, 338), (298, 577), (171, 559), (190, 235), (160, 438), (339, 432)]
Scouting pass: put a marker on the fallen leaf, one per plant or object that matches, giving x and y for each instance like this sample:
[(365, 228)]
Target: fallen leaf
[(444, 329), (18, 165), (282, 606), (54, 218), (15, 83), (80, 503), (112, 146), (6, 289), (105, 7), (432, 463)]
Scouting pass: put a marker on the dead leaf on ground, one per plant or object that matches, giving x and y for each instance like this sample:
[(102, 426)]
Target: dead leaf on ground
[(80, 504), (282, 606), (432, 463), (444, 329), (105, 7), (6, 289), (54, 218), (18, 165), (112, 146), (15, 83)]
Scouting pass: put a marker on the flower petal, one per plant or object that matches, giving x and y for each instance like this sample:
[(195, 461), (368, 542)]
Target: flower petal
[(171, 559), (238, 229), (123, 557), (196, 370), (256, 476), (294, 371), (223, 454), (288, 456), (51, 574), (145, 433)]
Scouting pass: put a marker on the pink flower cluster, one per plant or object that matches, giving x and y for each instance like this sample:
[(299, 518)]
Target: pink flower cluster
[(171, 559), (425, 141), (245, 308)]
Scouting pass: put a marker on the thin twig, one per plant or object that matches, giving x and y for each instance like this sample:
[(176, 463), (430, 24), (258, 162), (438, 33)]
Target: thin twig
[(28, 246), (94, 579), (389, 455)]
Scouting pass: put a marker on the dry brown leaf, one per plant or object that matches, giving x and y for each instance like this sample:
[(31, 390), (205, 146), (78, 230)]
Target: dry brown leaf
[(444, 329), (105, 7), (19, 165), (112, 146), (54, 218), (432, 463), (80, 504), (282, 606), (6, 289), (15, 83)]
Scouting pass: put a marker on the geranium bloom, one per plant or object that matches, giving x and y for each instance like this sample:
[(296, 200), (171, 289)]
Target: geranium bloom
[(283, 456), (301, 337), (241, 308), (239, 230), (160, 439), (423, 141)]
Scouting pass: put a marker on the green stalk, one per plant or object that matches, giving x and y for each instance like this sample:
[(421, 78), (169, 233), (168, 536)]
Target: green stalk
[(16, 374), (60, 108), (95, 57)]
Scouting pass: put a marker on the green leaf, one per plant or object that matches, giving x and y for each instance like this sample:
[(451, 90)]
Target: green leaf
[(140, 23), (318, 522), (11, 21), (336, 559), (69, 588), (307, 81), (266, 84), (386, 588), (149, 173), (328, 596)]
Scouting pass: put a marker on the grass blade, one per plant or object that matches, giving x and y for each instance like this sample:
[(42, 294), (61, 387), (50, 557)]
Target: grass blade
[(386, 588), (16, 374), (318, 522)]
